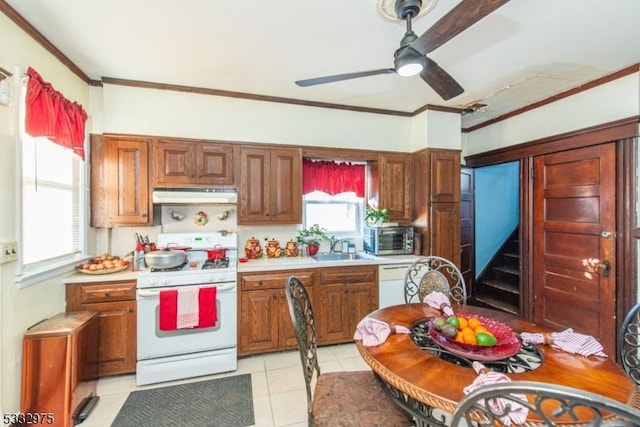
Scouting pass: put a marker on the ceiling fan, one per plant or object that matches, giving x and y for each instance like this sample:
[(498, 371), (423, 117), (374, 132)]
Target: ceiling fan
[(410, 57)]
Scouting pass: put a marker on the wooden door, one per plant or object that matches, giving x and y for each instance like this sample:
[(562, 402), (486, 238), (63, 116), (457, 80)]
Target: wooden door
[(127, 181), (174, 162), (259, 321), (334, 325), (467, 254), (395, 191), (445, 231), (574, 261), (286, 186), (214, 164), (254, 191)]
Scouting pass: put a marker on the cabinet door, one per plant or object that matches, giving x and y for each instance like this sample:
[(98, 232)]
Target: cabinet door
[(254, 191), (126, 176), (214, 164), (444, 169), (258, 321), (334, 324), (286, 186), (445, 231), (174, 163), (363, 299), (117, 348), (395, 191)]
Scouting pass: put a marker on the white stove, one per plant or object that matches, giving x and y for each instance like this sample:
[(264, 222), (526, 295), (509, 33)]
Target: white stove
[(165, 355)]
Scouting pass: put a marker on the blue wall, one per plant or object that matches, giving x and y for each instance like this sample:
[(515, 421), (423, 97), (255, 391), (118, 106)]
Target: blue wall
[(497, 209)]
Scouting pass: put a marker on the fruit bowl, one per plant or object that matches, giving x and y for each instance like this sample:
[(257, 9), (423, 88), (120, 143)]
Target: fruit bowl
[(507, 342)]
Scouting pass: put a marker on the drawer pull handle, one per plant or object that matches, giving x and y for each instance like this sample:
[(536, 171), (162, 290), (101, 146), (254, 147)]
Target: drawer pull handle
[(107, 294)]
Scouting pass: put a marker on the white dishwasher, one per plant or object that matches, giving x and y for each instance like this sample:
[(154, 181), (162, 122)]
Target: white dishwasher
[(391, 284)]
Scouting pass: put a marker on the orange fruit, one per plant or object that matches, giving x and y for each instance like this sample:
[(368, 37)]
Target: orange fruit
[(459, 337), (470, 339), (462, 323), (468, 331), (473, 323)]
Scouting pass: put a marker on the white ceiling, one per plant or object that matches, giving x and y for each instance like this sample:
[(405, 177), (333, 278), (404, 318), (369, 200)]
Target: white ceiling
[(525, 51)]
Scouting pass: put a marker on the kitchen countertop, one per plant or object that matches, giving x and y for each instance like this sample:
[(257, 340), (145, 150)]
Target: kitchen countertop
[(260, 264)]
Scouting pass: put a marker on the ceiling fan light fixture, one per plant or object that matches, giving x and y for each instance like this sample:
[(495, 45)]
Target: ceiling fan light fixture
[(409, 63)]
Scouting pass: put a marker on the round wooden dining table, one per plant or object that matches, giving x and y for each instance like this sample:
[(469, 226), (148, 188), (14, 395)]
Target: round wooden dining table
[(424, 381)]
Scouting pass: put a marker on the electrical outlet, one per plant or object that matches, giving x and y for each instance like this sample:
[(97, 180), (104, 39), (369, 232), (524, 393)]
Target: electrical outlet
[(8, 252)]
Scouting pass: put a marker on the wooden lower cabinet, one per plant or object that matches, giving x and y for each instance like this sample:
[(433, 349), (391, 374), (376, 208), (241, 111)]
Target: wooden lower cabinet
[(115, 303), (346, 295), (264, 319)]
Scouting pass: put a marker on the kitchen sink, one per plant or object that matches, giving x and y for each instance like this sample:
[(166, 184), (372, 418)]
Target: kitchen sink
[(338, 257)]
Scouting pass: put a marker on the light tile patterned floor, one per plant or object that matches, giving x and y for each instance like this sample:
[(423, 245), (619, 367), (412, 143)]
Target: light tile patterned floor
[(279, 396)]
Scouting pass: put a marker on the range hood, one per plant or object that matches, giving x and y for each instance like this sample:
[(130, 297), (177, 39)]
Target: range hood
[(184, 196)]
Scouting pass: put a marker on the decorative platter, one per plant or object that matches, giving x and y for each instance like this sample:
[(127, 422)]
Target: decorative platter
[(103, 266), (507, 344)]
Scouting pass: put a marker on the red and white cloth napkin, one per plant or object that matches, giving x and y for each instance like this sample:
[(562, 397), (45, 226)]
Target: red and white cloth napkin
[(188, 311), (517, 413), (374, 332), (569, 341), (439, 301)]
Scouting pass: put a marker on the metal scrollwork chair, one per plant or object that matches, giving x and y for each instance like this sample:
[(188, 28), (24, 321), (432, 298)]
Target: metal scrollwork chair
[(629, 344), (548, 405), (349, 398), (432, 273)]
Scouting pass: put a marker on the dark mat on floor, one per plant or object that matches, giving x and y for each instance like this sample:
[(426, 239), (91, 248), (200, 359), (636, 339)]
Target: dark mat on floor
[(222, 402)]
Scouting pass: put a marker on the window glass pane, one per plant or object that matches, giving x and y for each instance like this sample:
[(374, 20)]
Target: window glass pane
[(340, 214), (51, 201)]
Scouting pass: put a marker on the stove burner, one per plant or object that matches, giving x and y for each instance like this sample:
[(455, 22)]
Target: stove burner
[(216, 263), (176, 268)]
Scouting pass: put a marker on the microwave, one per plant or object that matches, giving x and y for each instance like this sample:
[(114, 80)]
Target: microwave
[(388, 240)]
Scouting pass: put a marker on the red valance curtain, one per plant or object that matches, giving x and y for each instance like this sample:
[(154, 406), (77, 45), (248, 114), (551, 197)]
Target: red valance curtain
[(331, 177), (50, 114)]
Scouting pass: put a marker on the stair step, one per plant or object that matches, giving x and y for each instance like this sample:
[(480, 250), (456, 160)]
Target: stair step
[(507, 269), (511, 255), (503, 286), (500, 305)]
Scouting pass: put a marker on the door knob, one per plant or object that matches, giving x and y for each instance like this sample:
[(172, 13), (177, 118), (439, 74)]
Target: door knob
[(606, 268)]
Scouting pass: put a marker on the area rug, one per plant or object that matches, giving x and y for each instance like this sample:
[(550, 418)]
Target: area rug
[(221, 402)]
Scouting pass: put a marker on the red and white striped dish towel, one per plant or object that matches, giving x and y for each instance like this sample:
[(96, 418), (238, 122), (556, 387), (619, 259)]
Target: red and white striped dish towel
[(374, 332), (188, 308), (439, 301), (517, 413), (569, 341)]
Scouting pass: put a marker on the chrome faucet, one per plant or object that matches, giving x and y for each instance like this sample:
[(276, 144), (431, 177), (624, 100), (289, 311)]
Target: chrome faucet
[(334, 241)]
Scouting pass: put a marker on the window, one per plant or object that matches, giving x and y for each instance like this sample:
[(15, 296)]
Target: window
[(52, 206), (341, 214)]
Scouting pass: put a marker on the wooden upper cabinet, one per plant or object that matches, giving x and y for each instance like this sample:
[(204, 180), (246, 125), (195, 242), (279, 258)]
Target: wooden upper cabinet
[(120, 181), (390, 183), (182, 163), (444, 170), (270, 186)]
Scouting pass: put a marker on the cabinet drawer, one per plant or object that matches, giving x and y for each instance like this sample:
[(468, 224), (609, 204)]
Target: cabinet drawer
[(104, 292), (349, 275), (273, 279)]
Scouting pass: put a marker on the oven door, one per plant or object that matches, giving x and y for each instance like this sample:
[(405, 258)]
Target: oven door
[(153, 343)]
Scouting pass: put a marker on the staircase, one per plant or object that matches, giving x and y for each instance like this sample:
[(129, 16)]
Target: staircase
[(498, 287)]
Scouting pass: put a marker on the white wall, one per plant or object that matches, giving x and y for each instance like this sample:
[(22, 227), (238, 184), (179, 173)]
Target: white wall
[(436, 129), (605, 103), (21, 308)]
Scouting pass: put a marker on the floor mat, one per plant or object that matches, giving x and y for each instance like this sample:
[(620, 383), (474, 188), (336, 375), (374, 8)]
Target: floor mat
[(221, 402)]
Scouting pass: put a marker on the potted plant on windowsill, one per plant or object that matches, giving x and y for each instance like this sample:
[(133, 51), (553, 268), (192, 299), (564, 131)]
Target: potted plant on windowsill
[(312, 236), (376, 217)]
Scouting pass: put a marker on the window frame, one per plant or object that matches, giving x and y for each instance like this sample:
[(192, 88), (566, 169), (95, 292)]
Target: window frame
[(30, 274)]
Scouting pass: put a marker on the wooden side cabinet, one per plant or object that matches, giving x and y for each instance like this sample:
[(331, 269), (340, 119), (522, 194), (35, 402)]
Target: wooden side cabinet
[(346, 295), (390, 183), (179, 163), (263, 315), (270, 186), (115, 303), (59, 371), (436, 209), (120, 181)]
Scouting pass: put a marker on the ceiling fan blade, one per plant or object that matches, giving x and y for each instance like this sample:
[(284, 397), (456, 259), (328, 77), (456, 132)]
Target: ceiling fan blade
[(347, 76), (461, 17), (440, 81)]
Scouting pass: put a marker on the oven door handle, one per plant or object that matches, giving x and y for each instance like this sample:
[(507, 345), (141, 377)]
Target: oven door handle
[(155, 292)]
